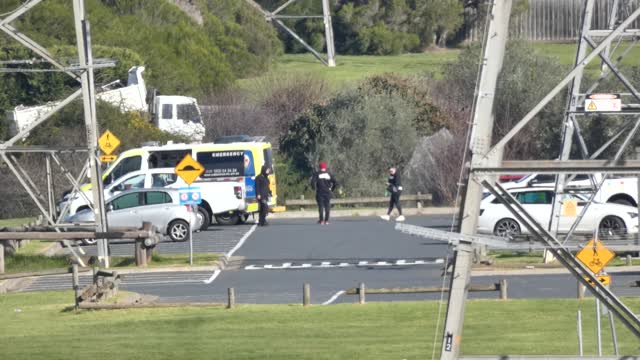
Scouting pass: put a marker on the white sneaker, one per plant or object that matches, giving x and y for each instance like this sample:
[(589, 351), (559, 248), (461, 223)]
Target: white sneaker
[(385, 217), (400, 218)]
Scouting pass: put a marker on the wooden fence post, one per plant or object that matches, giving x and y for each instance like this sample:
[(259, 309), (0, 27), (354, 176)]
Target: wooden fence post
[(141, 253), (232, 298), (76, 285), (361, 293), (306, 295), (503, 289), (2, 257)]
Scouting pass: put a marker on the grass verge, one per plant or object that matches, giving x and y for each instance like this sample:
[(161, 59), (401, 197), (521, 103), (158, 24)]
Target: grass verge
[(514, 258), (37, 326), (19, 263)]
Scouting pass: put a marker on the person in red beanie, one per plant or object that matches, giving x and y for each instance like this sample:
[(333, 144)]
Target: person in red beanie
[(323, 182)]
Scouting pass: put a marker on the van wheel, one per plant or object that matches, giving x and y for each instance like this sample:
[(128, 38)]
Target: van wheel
[(228, 218), (203, 218)]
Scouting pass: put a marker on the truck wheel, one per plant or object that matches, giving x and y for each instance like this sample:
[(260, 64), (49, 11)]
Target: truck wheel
[(203, 217), (228, 218), (243, 218)]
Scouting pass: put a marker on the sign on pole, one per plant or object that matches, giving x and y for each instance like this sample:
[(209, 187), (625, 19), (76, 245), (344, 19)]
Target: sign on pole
[(108, 158), (108, 142), (604, 279), (602, 102), (595, 256), (189, 169)]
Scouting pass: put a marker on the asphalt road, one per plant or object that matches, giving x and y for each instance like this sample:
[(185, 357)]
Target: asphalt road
[(271, 264)]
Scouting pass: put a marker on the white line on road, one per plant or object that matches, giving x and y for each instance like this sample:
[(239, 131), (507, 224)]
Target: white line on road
[(244, 238), (230, 253), (334, 297)]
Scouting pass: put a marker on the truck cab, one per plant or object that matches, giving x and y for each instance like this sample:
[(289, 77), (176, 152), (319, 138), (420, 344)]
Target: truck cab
[(178, 115)]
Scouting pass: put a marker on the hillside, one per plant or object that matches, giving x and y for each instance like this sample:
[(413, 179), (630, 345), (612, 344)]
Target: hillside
[(189, 47)]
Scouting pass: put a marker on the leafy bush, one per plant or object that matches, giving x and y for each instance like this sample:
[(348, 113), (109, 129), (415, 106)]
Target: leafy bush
[(360, 135)]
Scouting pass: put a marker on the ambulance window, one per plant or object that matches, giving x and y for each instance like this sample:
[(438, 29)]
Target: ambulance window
[(164, 159), (222, 163), (124, 167), (268, 158)]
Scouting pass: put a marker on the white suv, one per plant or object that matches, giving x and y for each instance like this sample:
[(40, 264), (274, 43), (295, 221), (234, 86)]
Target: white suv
[(619, 190)]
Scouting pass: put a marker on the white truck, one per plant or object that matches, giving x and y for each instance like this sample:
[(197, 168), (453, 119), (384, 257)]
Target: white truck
[(620, 190), (175, 114)]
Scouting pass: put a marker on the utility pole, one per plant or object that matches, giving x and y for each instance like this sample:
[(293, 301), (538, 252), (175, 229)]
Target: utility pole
[(328, 30), (495, 43), (85, 59)]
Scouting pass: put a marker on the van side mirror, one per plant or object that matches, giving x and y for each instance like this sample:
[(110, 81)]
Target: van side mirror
[(109, 207)]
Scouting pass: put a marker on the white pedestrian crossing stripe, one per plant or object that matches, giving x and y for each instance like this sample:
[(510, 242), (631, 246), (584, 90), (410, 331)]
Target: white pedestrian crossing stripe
[(329, 264)]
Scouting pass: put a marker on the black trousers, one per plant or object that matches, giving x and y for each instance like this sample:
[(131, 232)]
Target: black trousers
[(395, 201), (324, 206), (263, 208)]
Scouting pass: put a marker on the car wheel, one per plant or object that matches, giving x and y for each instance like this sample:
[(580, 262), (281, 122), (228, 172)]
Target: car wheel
[(178, 230), (507, 228), (203, 218), (612, 225), (229, 218), (89, 241)]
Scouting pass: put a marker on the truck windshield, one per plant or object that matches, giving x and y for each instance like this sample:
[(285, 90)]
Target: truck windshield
[(189, 112)]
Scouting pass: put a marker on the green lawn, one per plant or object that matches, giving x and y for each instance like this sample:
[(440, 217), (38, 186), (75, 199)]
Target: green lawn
[(41, 326), (351, 69)]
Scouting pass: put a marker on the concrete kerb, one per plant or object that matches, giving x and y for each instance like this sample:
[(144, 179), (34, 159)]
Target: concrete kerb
[(313, 213)]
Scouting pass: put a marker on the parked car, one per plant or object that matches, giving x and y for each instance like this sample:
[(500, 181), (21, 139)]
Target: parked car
[(613, 219), (615, 189), (134, 180), (159, 206)]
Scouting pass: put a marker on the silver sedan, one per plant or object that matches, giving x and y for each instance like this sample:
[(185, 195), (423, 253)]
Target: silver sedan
[(159, 206)]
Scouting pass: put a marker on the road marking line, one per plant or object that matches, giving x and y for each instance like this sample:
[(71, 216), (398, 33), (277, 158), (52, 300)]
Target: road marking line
[(230, 253), (401, 262), (362, 263), (334, 297), (213, 277), (244, 238)]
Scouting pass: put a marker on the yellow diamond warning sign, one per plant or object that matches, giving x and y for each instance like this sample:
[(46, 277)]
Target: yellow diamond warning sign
[(595, 256), (189, 169), (108, 142)]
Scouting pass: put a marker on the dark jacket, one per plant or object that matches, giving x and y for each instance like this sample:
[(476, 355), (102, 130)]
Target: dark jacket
[(262, 184), (323, 182), (393, 183)]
